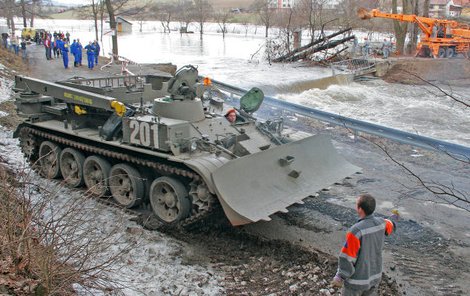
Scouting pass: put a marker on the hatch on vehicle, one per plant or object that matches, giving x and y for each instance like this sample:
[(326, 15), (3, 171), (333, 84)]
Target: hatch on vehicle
[(252, 100)]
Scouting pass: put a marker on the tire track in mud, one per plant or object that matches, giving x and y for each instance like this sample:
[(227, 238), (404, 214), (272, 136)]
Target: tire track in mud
[(422, 258)]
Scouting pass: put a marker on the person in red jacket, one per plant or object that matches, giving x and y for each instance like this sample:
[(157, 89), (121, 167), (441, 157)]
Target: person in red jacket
[(47, 46)]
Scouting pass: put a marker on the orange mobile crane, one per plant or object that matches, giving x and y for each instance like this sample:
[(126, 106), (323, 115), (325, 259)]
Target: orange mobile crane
[(441, 38)]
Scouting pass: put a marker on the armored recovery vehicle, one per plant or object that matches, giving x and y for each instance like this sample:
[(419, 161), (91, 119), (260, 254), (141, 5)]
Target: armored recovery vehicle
[(162, 142)]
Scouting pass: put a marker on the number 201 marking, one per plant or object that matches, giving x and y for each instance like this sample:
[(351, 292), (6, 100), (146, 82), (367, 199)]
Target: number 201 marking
[(143, 134)]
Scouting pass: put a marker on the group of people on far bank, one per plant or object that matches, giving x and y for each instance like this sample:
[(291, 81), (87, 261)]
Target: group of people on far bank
[(61, 46), (15, 44)]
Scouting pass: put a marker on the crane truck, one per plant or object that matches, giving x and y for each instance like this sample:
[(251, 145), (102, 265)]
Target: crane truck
[(441, 38)]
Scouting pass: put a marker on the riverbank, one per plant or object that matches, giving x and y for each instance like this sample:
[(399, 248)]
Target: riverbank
[(422, 71)]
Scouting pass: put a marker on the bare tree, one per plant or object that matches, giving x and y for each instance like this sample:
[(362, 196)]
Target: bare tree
[(426, 8), (112, 25), (167, 12), (311, 12), (53, 240), (457, 98), (112, 7), (265, 13), (444, 192), (400, 28), (27, 9), (222, 18), (8, 10), (185, 14), (203, 11), (102, 12), (23, 13), (287, 26), (413, 27), (246, 24), (34, 4), (95, 10)]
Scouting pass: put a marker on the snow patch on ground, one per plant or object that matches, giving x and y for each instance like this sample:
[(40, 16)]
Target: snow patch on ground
[(153, 266), (5, 86)]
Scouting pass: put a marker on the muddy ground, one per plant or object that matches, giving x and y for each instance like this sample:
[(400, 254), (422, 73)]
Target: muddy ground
[(423, 71), (295, 253)]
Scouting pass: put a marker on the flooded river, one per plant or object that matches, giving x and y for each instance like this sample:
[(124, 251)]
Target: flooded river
[(239, 60)]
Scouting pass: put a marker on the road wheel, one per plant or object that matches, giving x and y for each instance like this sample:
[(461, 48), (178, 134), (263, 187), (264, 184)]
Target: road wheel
[(450, 52), (442, 52), (169, 200), (49, 160), (71, 167), (126, 185), (427, 52), (96, 175)]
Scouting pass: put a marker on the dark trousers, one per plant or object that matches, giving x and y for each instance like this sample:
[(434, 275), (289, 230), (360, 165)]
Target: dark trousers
[(75, 60), (65, 58), (91, 60), (48, 53)]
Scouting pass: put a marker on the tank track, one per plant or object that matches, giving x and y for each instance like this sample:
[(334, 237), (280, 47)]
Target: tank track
[(189, 221)]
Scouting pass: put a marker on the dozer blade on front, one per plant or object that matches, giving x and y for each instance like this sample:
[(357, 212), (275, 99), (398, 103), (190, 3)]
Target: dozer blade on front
[(256, 186)]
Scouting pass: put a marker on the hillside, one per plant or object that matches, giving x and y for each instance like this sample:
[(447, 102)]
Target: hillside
[(82, 12)]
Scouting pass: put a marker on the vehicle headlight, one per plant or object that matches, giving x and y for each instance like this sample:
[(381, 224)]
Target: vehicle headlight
[(193, 146)]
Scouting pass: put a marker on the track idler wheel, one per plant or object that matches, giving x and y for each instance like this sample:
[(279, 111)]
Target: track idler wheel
[(49, 154), (71, 167), (29, 145), (126, 185), (96, 175), (169, 200)]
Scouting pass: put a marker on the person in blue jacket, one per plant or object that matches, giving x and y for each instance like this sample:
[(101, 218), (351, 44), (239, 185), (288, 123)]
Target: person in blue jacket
[(90, 54), (79, 50), (65, 52), (73, 51), (59, 44), (97, 51)]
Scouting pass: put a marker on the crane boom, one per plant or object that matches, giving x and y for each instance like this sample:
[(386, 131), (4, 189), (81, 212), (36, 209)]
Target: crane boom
[(441, 38)]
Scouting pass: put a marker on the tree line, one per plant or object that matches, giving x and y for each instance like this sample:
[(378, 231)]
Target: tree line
[(310, 15)]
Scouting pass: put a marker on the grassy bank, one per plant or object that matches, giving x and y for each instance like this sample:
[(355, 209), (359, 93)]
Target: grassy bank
[(47, 246)]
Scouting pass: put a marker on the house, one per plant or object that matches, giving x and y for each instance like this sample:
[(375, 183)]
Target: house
[(281, 4), (447, 8), (437, 8), (123, 26), (454, 11), (465, 4)]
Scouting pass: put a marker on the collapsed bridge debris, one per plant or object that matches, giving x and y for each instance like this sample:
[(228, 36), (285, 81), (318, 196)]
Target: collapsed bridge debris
[(323, 43)]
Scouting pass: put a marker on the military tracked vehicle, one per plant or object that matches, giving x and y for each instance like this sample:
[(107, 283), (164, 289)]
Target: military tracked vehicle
[(162, 142)]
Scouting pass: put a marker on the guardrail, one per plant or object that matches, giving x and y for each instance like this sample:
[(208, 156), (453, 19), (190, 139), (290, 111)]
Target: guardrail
[(455, 150)]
